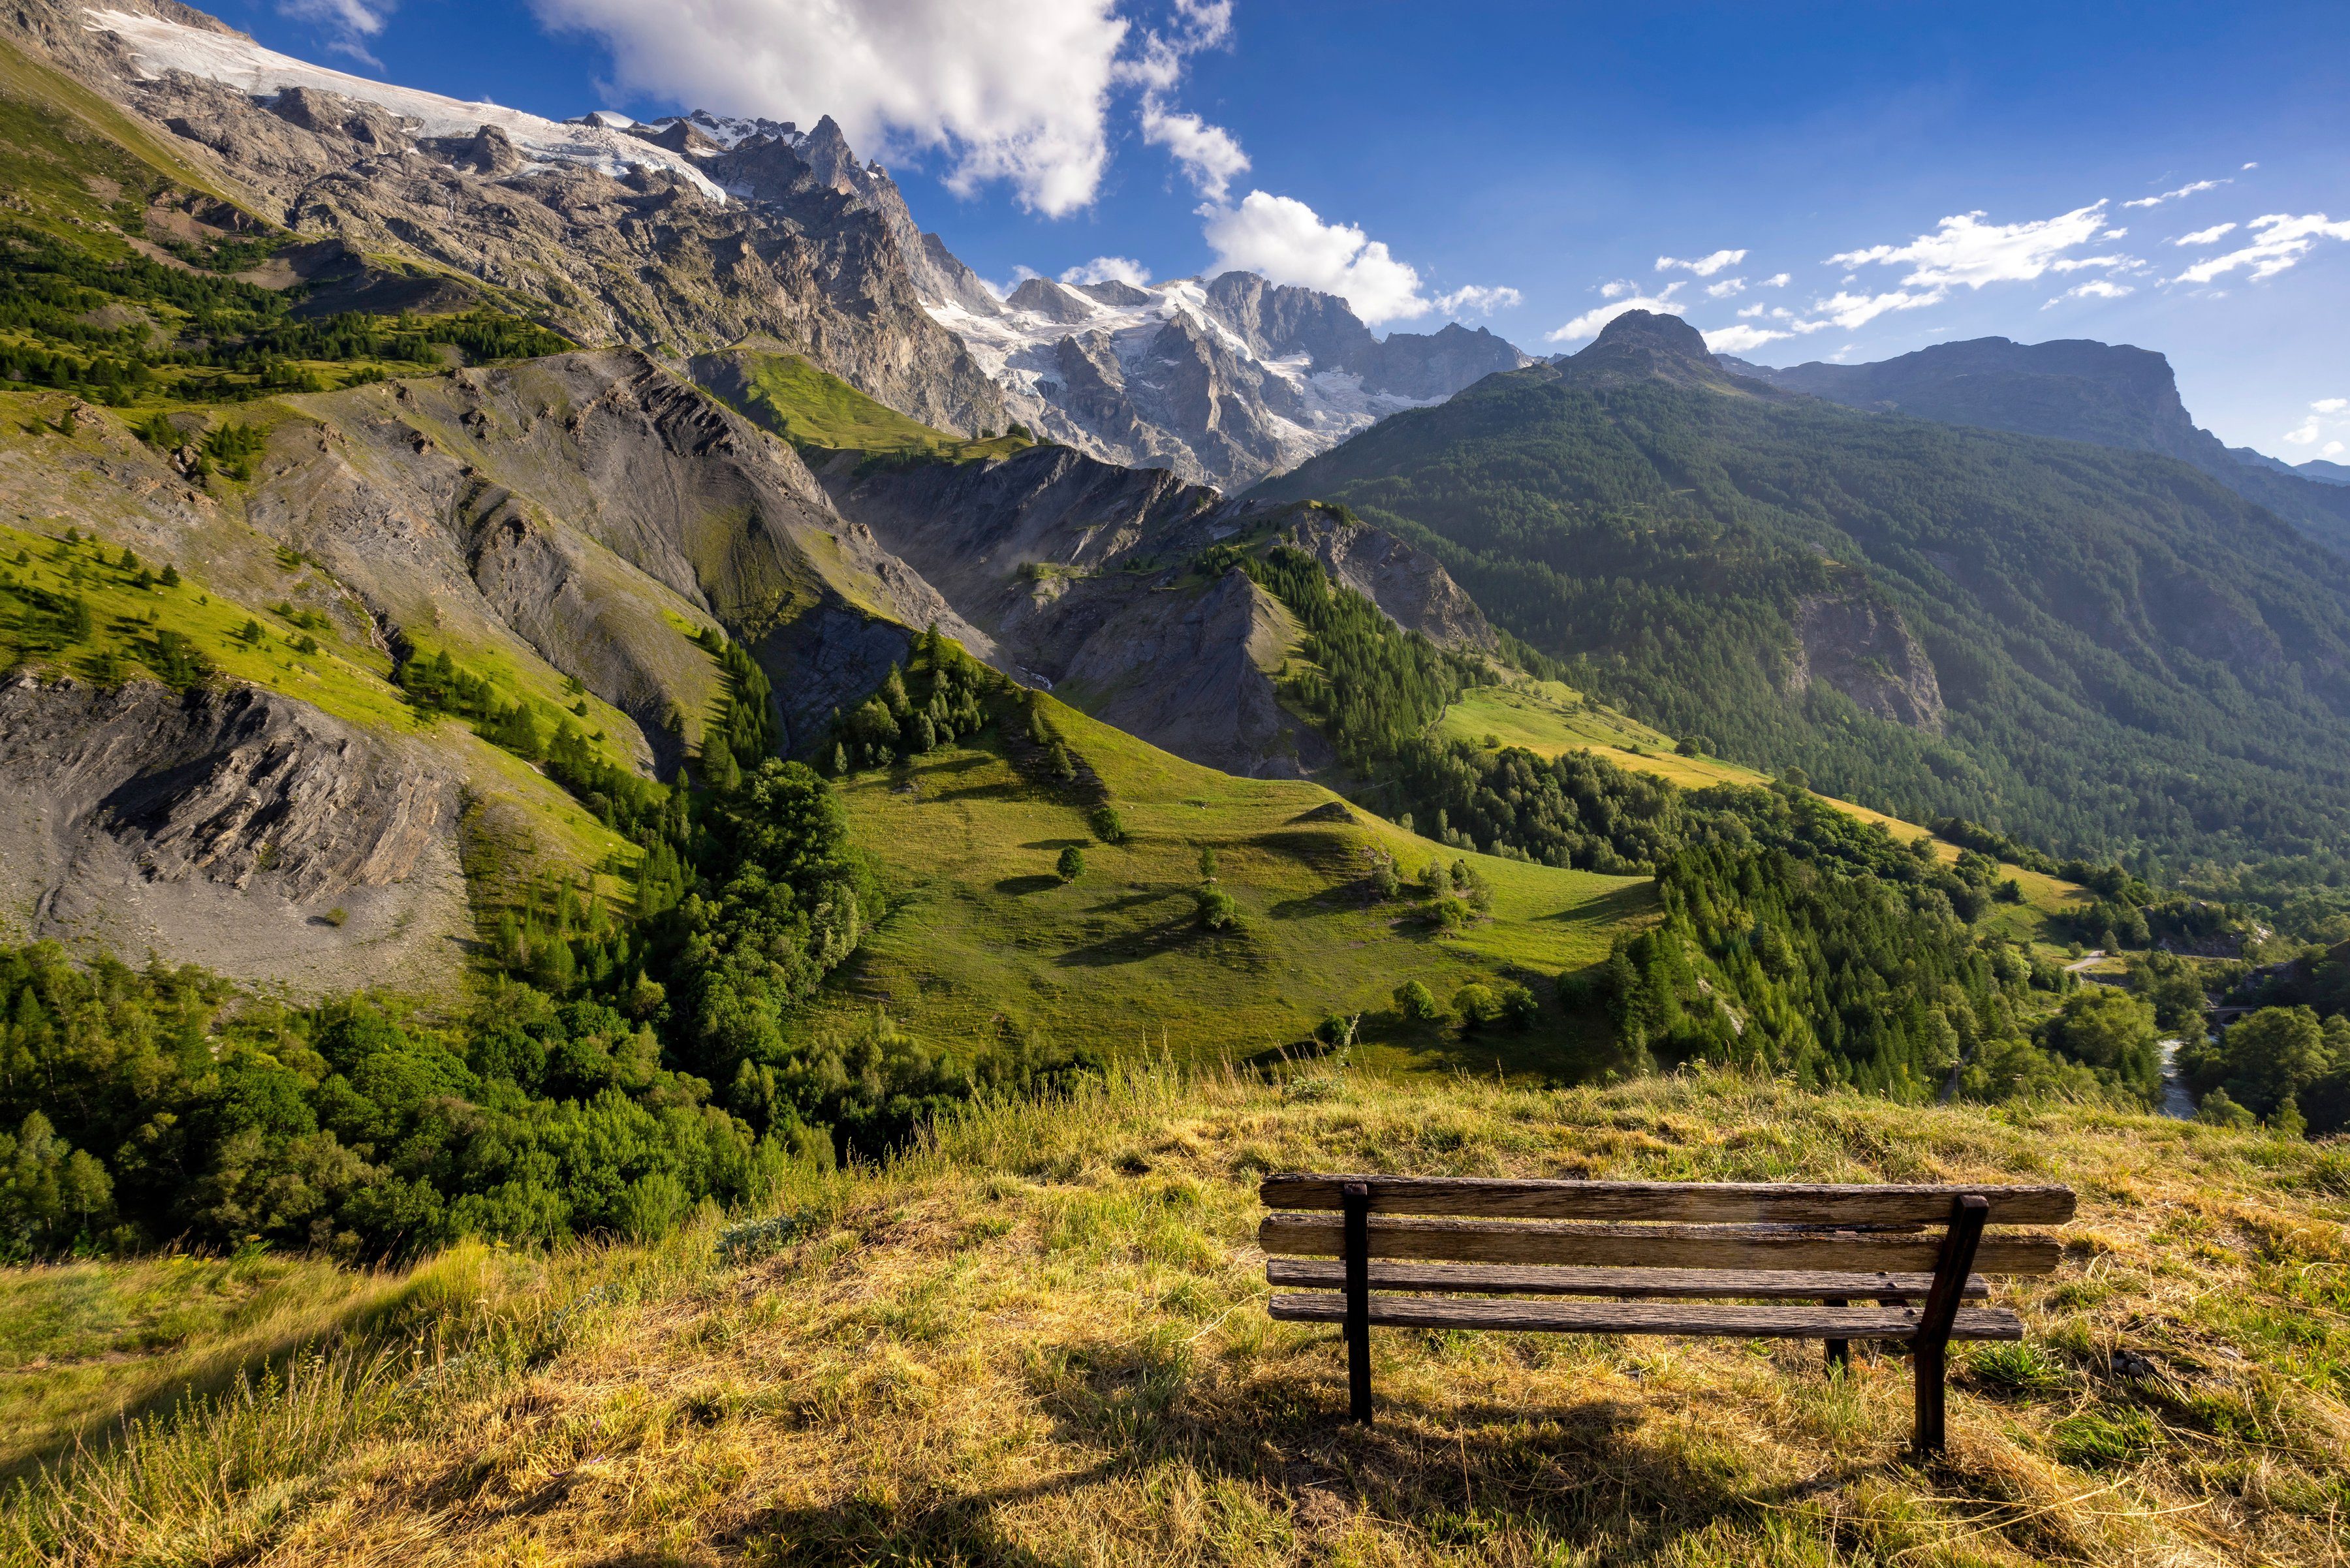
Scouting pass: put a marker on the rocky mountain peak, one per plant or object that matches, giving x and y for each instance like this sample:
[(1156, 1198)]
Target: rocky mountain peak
[(825, 150), (1646, 346), (1049, 299)]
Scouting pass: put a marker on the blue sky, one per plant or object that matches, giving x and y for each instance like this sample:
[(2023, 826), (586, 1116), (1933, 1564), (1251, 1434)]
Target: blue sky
[(1552, 155)]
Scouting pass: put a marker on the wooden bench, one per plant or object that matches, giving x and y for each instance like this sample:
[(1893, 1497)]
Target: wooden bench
[(1663, 1257)]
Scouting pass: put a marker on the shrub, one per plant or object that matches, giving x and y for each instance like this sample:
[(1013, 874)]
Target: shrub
[(1519, 1008), (1415, 1002), (1338, 1030), (1071, 864), (1107, 825), (1478, 1006), (337, 916), (1217, 910)]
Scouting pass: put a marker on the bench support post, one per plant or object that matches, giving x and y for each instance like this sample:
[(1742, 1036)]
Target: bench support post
[(1933, 1341), (1355, 1197), (1839, 1350)]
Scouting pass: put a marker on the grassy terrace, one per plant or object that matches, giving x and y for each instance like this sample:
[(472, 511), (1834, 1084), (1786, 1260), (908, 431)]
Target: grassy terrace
[(987, 935), (1040, 1338), (813, 407)]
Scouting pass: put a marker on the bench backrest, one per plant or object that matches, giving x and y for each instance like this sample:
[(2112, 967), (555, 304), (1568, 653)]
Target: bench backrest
[(1741, 1226)]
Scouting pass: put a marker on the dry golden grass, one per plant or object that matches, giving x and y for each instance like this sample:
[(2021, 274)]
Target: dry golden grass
[(1040, 1338)]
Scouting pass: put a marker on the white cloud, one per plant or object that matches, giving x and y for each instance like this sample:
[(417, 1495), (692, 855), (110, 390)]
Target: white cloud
[(1209, 155), (2096, 288), (1704, 266), (1014, 90), (1108, 269), (1776, 280), (1966, 250), (1286, 240), (1752, 311), (1475, 296), (2252, 165), (348, 23), (1589, 324), (2332, 449), (1853, 311), (2205, 236), (1725, 288), (2324, 415), (1739, 339), (1618, 289), (2279, 242), (2182, 190)]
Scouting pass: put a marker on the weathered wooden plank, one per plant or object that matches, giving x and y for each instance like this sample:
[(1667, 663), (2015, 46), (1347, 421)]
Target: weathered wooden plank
[(1748, 1201), (1727, 1284), (1692, 1319), (1646, 1246)]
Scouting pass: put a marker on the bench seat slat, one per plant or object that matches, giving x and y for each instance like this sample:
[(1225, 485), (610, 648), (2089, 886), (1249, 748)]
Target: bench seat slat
[(1782, 1285), (1695, 1320), (1751, 1201), (1646, 1246)]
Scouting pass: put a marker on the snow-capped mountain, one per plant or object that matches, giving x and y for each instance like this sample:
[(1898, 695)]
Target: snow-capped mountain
[(1224, 380)]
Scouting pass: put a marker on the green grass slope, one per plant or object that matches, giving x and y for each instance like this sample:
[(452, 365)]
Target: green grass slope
[(1041, 1338), (812, 408), (986, 938)]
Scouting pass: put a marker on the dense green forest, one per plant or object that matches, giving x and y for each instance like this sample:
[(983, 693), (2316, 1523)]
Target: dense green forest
[(2136, 661), (118, 330)]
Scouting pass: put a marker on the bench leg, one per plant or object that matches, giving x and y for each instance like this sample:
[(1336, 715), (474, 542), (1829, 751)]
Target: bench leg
[(1839, 1350), (1931, 1349), (1355, 1197)]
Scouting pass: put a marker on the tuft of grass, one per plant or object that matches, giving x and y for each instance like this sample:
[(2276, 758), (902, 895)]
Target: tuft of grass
[(1039, 1336)]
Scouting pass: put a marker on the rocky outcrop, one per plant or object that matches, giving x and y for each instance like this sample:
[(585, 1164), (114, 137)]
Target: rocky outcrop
[(643, 248), (235, 828), (1414, 589), (1862, 649)]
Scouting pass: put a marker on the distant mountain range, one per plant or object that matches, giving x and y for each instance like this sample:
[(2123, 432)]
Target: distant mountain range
[(2105, 394), (2089, 644)]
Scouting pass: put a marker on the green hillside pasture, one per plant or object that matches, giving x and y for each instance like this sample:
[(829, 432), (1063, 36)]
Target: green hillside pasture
[(810, 407), (1550, 719), (987, 938)]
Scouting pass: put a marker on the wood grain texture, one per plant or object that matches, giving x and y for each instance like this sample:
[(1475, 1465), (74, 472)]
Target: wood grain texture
[(1692, 1319), (1734, 1202), (1733, 1284), (1646, 1246)]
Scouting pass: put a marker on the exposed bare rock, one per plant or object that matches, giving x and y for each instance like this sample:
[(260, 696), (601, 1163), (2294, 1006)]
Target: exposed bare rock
[(235, 828), (1411, 585), (1863, 650)]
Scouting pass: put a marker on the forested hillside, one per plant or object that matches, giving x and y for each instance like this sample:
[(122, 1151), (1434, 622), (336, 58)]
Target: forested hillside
[(2099, 651)]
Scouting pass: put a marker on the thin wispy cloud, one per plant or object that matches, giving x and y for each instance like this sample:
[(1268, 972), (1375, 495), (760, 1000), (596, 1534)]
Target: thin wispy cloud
[(2206, 236), (1966, 252), (2096, 288), (1589, 324), (1484, 301), (2279, 242), (2199, 185), (348, 24), (2327, 417), (1108, 269), (1704, 266)]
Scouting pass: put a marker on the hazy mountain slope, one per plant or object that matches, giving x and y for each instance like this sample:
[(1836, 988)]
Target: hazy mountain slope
[(606, 234), (2093, 648), (2109, 395)]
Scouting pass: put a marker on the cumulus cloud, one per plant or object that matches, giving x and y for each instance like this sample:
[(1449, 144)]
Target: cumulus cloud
[(348, 24), (2332, 406), (1776, 280), (1287, 241), (1966, 250), (2332, 449), (2182, 190), (1725, 288), (1108, 269), (1704, 266), (2096, 288), (1740, 338), (2279, 242), (1015, 91), (1618, 289), (1484, 301), (1752, 311), (1207, 155), (1589, 324), (2205, 236)]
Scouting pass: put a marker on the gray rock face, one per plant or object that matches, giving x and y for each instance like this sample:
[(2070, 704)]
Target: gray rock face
[(1417, 592), (1224, 382), (823, 259), (1863, 650), (222, 828)]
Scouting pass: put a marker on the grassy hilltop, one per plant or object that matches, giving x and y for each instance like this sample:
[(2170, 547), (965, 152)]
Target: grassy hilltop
[(1039, 1337)]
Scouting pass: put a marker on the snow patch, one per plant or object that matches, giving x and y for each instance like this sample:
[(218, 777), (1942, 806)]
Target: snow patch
[(158, 47)]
